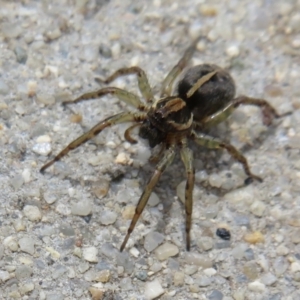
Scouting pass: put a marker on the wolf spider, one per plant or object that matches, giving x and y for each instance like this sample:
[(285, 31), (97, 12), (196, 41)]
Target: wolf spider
[(205, 97)]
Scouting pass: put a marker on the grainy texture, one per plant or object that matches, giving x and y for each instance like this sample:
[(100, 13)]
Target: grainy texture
[(54, 243)]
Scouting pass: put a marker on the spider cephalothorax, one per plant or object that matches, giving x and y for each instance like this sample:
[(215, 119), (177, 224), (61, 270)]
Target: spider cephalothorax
[(205, 97)]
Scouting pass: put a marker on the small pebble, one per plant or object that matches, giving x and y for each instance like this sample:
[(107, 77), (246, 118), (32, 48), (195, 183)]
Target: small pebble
[(165, 251), (31, 88), (215, 180), (123, 159), (97, 294), (26, 174), (198, 259), (249, 254), (105, 51), (254, 237), (103, 276), (153, 289), (32, 212), (153, 240), (108, 217), (295, 267), (27, 245), (82, 208), (178, 278), (282, 250), (4, 89), (42, 148), (23, 272), (4, 276), (17, 181), (90, 254), (19, 225), (268, 279), (210, 272), (156, 267), (141, 275), (58, 271), (100, 188), (54, 254), (205, 243), (153, 200), (258, 208), (280, 266), (128, 212), (233, 51), (47, 99), (190, 269), (21, 54), (215, 295), (256, 286), (203, 281), (11, 30)]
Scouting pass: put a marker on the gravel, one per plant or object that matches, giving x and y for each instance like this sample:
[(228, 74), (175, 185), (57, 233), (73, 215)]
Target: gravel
[(60, 232)]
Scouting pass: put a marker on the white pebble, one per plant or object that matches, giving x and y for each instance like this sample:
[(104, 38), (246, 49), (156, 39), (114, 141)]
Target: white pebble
[(258, 208), (32, 213), (116, 50), (165, 251), (256, 286), (153, 289), (43, 139), (134, 252), (215, 180), (26, 174), (82, 208), (90, 254), (233, 51), (210, 272), (295, 267), (42, 148), (123, 159), (4, 276), (11, 243), (108, 217)]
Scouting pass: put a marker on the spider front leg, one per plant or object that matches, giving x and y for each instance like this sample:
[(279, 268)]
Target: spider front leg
[(211, 143), (161, 166), (143, 82), (167, 84), (116, 119), (268, 111), (123, 95), (187, 158)]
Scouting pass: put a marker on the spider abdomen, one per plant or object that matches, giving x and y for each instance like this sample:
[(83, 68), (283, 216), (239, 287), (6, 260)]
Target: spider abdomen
[(212, 96)]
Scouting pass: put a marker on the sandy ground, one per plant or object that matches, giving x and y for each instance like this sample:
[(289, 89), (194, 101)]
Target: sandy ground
[(60, 232)]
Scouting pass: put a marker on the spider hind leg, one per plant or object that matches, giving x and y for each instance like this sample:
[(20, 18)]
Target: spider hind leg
[(113, 120)]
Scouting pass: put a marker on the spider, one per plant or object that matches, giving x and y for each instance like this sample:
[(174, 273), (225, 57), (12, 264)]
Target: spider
[(205, 96)]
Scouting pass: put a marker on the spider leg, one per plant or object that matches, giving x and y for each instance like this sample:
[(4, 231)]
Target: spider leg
[(155, 157), (161, 166), (116, 119), (211, 143), (268, 111), (127, 133), (123, 95), (199, 83), (167, 83), (187, 158), (143, 82)]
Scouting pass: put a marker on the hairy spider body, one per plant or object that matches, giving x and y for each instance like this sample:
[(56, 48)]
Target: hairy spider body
[(205, 97), (212, 96)]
